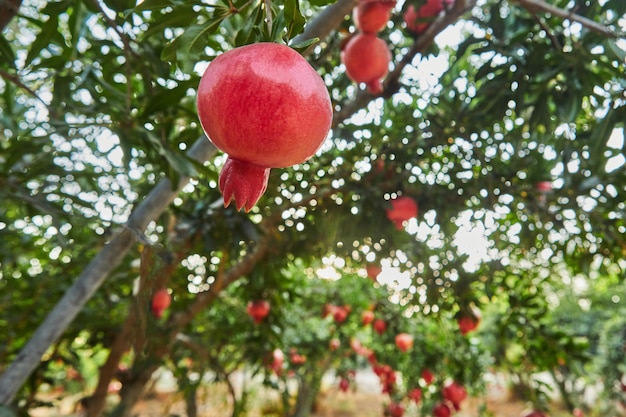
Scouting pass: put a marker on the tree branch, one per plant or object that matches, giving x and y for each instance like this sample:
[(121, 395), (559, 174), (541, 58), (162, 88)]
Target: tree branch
[(93, 276), (538, 5), (391, 82)]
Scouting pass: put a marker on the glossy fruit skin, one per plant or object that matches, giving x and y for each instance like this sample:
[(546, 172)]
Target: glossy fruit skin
[(161, 301), (404, 341), (402, 209), (367, 59), (265, 106), (441, 410), (371, 16), (258, 310)]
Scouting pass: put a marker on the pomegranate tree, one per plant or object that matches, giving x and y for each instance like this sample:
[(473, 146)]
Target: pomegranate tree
[(266, 107), (367, 59), (417, 20), (371, 16)]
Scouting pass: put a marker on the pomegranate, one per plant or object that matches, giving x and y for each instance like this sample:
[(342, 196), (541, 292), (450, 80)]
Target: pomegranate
[(373, 271), (454, 392), (371, 16), (367, 59), (404, 341), (278, 358), (161, 300), (441, 410), (266, 107), (394, 410), (402, 209), (415, 395), (544, 186), (258, 310), (334, 344), (367, 317), (379, 326), (428, 376), (344, 385), (418, 20), (467, 324), (296, 358)]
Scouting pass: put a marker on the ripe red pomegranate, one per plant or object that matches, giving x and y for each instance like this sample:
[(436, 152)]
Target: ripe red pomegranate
[(278, 358), (428, 376), (371, 16), (404, 341), (467, 324), (373, 271), (394, 410), (402, 209), (161, 300), (367, 59), (418, 20), (258, 310), (454, 392), (415, 395), (379, 326), (367, 317), (334, 344), (344, 385), (296, 358), (265, 106), (441, 410), (544, 186)]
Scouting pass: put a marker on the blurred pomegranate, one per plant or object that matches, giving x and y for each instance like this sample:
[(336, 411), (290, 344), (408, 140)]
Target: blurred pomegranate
[(402, 209)]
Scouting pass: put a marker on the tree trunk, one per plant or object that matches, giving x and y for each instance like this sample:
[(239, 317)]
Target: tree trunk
[(133, 390), (307, 393)]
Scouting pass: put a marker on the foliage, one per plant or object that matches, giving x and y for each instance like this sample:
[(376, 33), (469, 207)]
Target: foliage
[(97, 107)]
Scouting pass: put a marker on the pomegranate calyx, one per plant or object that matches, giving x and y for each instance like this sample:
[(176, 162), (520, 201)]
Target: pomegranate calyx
[(243, 182)]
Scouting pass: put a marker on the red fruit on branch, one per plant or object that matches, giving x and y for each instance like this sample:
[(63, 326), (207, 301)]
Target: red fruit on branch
[(266, 107), (161, 300), (394, 410), (367, 317), (544, 186), (344, 385), (404, 341), (468, 321), (441, 410), (418, 20), (428, 376), (402, 209), (371, 16), (278, 358), (415, 395), (367, 59), (379, 326), (258, 310), (296, 358), (455, 393), (334, 344), (373, 271)]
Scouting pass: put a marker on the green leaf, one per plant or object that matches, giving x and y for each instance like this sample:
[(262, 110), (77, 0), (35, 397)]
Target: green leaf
[(48, 32), (6, 52), (293, 17), (186, 49)]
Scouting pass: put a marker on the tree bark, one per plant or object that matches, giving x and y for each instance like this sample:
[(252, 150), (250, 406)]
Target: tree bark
[(8, 9)]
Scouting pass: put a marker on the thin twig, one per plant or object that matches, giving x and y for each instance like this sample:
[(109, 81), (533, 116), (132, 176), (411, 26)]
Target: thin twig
[(14, 79), (534, 5)]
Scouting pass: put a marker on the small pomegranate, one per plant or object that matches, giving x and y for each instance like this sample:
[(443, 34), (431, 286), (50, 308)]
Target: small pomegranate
[(468, 321), (418, 20), (454, 392), (344, 385), (371, 16), (161, 300), (402, 209), (428, 376), (266, 107), (441, 410), (334, 344), (367, 317), (394, 410), (544, 186), (296, 358), (373, 271), (367, 59), (404, 341), (278, 358), (258, 310), (379, 326), (415, 395)]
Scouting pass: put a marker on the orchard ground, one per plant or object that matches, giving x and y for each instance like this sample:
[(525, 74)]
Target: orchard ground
[(363, 400)]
